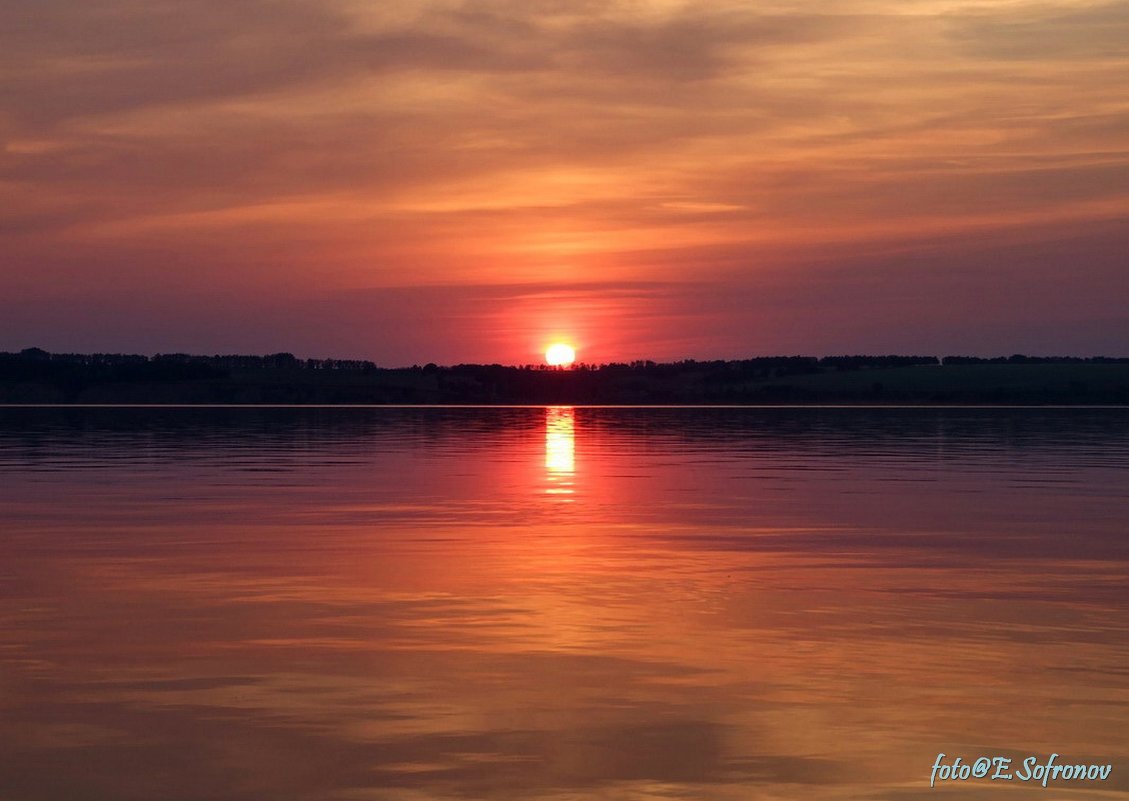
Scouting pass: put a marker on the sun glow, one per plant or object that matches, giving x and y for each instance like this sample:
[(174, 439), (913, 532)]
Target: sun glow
[(560, 355)]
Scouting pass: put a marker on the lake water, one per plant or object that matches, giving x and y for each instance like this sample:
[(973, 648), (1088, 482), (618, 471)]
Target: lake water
[(363, 604)]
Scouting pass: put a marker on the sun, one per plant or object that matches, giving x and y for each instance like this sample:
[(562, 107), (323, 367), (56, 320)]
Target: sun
[(560, 355)]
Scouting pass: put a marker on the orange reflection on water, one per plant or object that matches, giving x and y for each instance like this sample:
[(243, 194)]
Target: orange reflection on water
[(345, 593), (560, 449)]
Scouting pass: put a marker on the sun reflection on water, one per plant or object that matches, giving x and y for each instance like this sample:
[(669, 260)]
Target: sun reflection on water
[(706, 612), (560, 449)]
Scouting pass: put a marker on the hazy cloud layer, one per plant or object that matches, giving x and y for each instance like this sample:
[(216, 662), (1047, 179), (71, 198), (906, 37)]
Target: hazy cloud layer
[(243, 162)]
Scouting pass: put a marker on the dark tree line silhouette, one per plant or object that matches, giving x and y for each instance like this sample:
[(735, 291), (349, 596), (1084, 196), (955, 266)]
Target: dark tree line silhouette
[(36, 376), (1021, 359), (273, 361)]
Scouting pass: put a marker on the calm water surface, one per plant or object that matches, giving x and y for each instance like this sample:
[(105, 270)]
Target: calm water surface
[(424, 604)]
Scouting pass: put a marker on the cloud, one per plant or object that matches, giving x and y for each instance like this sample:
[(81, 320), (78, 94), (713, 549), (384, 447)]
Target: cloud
[(270, 144), (64, 61), (1046, 32)]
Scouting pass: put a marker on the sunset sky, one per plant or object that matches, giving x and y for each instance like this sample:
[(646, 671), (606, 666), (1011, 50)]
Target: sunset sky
[(415, 181)]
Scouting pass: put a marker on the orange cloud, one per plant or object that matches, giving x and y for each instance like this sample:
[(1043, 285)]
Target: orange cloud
[(270, 150)]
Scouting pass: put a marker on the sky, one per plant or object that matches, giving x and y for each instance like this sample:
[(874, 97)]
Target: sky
[(449, 181)]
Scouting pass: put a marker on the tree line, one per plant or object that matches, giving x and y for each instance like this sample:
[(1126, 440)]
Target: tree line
[(36, 361)]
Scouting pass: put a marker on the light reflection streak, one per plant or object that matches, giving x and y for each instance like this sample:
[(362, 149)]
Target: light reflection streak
[(560, 449)]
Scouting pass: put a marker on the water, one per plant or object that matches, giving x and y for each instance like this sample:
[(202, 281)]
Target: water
[(424, 604)]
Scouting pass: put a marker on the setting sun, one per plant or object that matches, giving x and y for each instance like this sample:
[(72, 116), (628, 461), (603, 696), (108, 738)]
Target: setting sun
[(560, 355)]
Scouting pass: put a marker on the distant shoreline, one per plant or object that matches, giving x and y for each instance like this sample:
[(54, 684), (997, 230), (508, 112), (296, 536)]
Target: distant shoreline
[(36, 378), (639, 406)]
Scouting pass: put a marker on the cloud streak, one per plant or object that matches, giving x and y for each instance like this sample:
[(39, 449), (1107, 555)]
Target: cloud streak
[(253, 149)]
